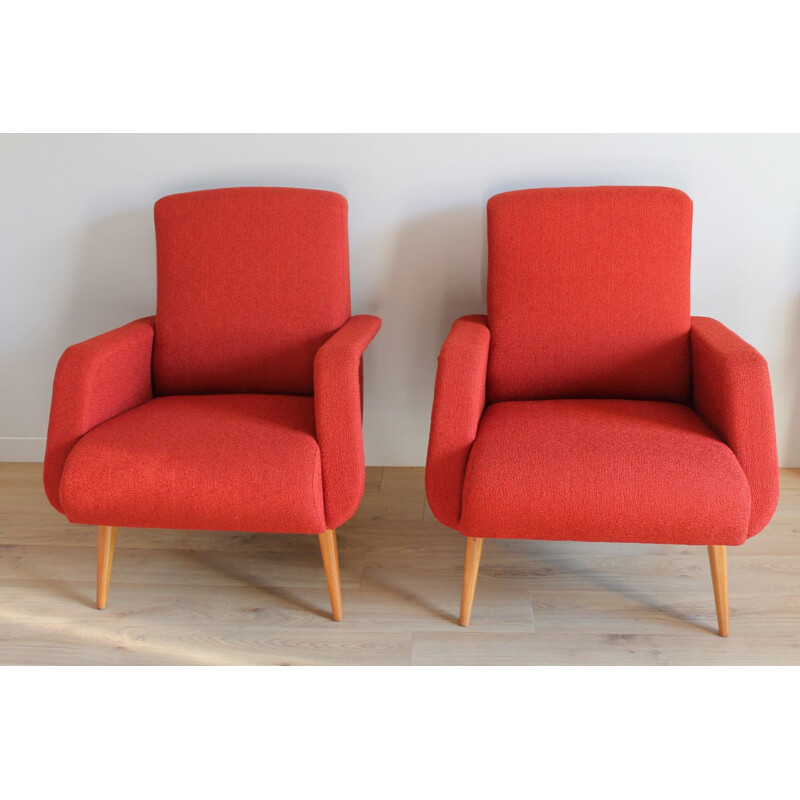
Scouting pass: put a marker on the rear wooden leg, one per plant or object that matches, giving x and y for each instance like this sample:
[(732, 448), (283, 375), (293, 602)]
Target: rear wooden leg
[(472, 563), (330, 560), (106, 538), (718, 558)]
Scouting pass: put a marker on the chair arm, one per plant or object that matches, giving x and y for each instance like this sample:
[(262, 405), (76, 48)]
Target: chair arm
[(732, 394), (338, 411), (458, 403), (96, 380)]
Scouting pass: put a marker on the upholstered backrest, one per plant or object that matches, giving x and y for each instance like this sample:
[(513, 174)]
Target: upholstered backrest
[(588, 293), (250, 283)]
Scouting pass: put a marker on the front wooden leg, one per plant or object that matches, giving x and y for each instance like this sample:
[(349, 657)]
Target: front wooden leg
[(106, 538), (718, 558), (472, 563), (330, 561)]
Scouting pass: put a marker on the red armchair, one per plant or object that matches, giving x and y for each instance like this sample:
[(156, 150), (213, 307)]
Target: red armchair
[(589, 405), (238, 406)]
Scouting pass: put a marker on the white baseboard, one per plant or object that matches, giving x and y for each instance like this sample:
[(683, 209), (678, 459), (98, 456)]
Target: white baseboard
[(22, 448)]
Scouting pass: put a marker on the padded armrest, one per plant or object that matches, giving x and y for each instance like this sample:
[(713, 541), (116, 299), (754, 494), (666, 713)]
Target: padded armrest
[(458, 403), (338, 407), (96, 380), (733, 396)]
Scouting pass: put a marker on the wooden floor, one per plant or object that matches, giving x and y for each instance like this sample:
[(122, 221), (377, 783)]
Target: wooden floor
[(189, 597)]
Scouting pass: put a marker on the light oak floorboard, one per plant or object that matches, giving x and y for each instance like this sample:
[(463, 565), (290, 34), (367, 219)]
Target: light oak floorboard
[(209, 597), (403, 479), (606, 649), (374, 476), (51, 640)]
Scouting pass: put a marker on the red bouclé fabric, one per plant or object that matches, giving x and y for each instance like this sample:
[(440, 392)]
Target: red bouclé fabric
[(337, 402), (251, 283), (458, 402), (603, 470), (603, 412), (588, 294), (732, 394), (238, 462), (95, 380), (238, 406)]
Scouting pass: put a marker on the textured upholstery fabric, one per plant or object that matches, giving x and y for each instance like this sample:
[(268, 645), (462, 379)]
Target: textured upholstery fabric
[(458, 402), (251, 282), (603, 470), (338, 404), (732, 394), (219, 462), (588, 294), (604, 411), (251, 356), (95, 380)]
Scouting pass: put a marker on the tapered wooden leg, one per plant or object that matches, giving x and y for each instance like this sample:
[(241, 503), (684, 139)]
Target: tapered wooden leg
[(718, 558), (330, 560), (106, 538), (472, 563)]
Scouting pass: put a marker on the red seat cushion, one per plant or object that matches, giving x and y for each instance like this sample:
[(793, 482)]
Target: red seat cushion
[(603, 470), (217, 462)]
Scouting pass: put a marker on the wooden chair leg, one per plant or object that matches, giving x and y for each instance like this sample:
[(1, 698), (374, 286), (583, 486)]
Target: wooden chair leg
[(330, 560), (472, 563), (718, 558), (106, 538)]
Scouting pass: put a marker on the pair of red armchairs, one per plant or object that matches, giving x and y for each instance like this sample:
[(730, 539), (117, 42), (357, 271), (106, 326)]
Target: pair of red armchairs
[(587, 405)]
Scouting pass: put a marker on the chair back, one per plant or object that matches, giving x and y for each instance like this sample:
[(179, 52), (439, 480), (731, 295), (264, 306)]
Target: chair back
[(251, 282), (588, 294)]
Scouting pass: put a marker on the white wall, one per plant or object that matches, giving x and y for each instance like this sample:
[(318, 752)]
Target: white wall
[(78, 255)]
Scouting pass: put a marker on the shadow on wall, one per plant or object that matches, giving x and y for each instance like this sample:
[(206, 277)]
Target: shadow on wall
[(114, 280), (436, 273), (109, 278)]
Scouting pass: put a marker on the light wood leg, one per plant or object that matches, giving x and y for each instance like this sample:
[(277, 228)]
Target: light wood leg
[(330, 560), (718, 558), (106, 538), (472, 563)]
